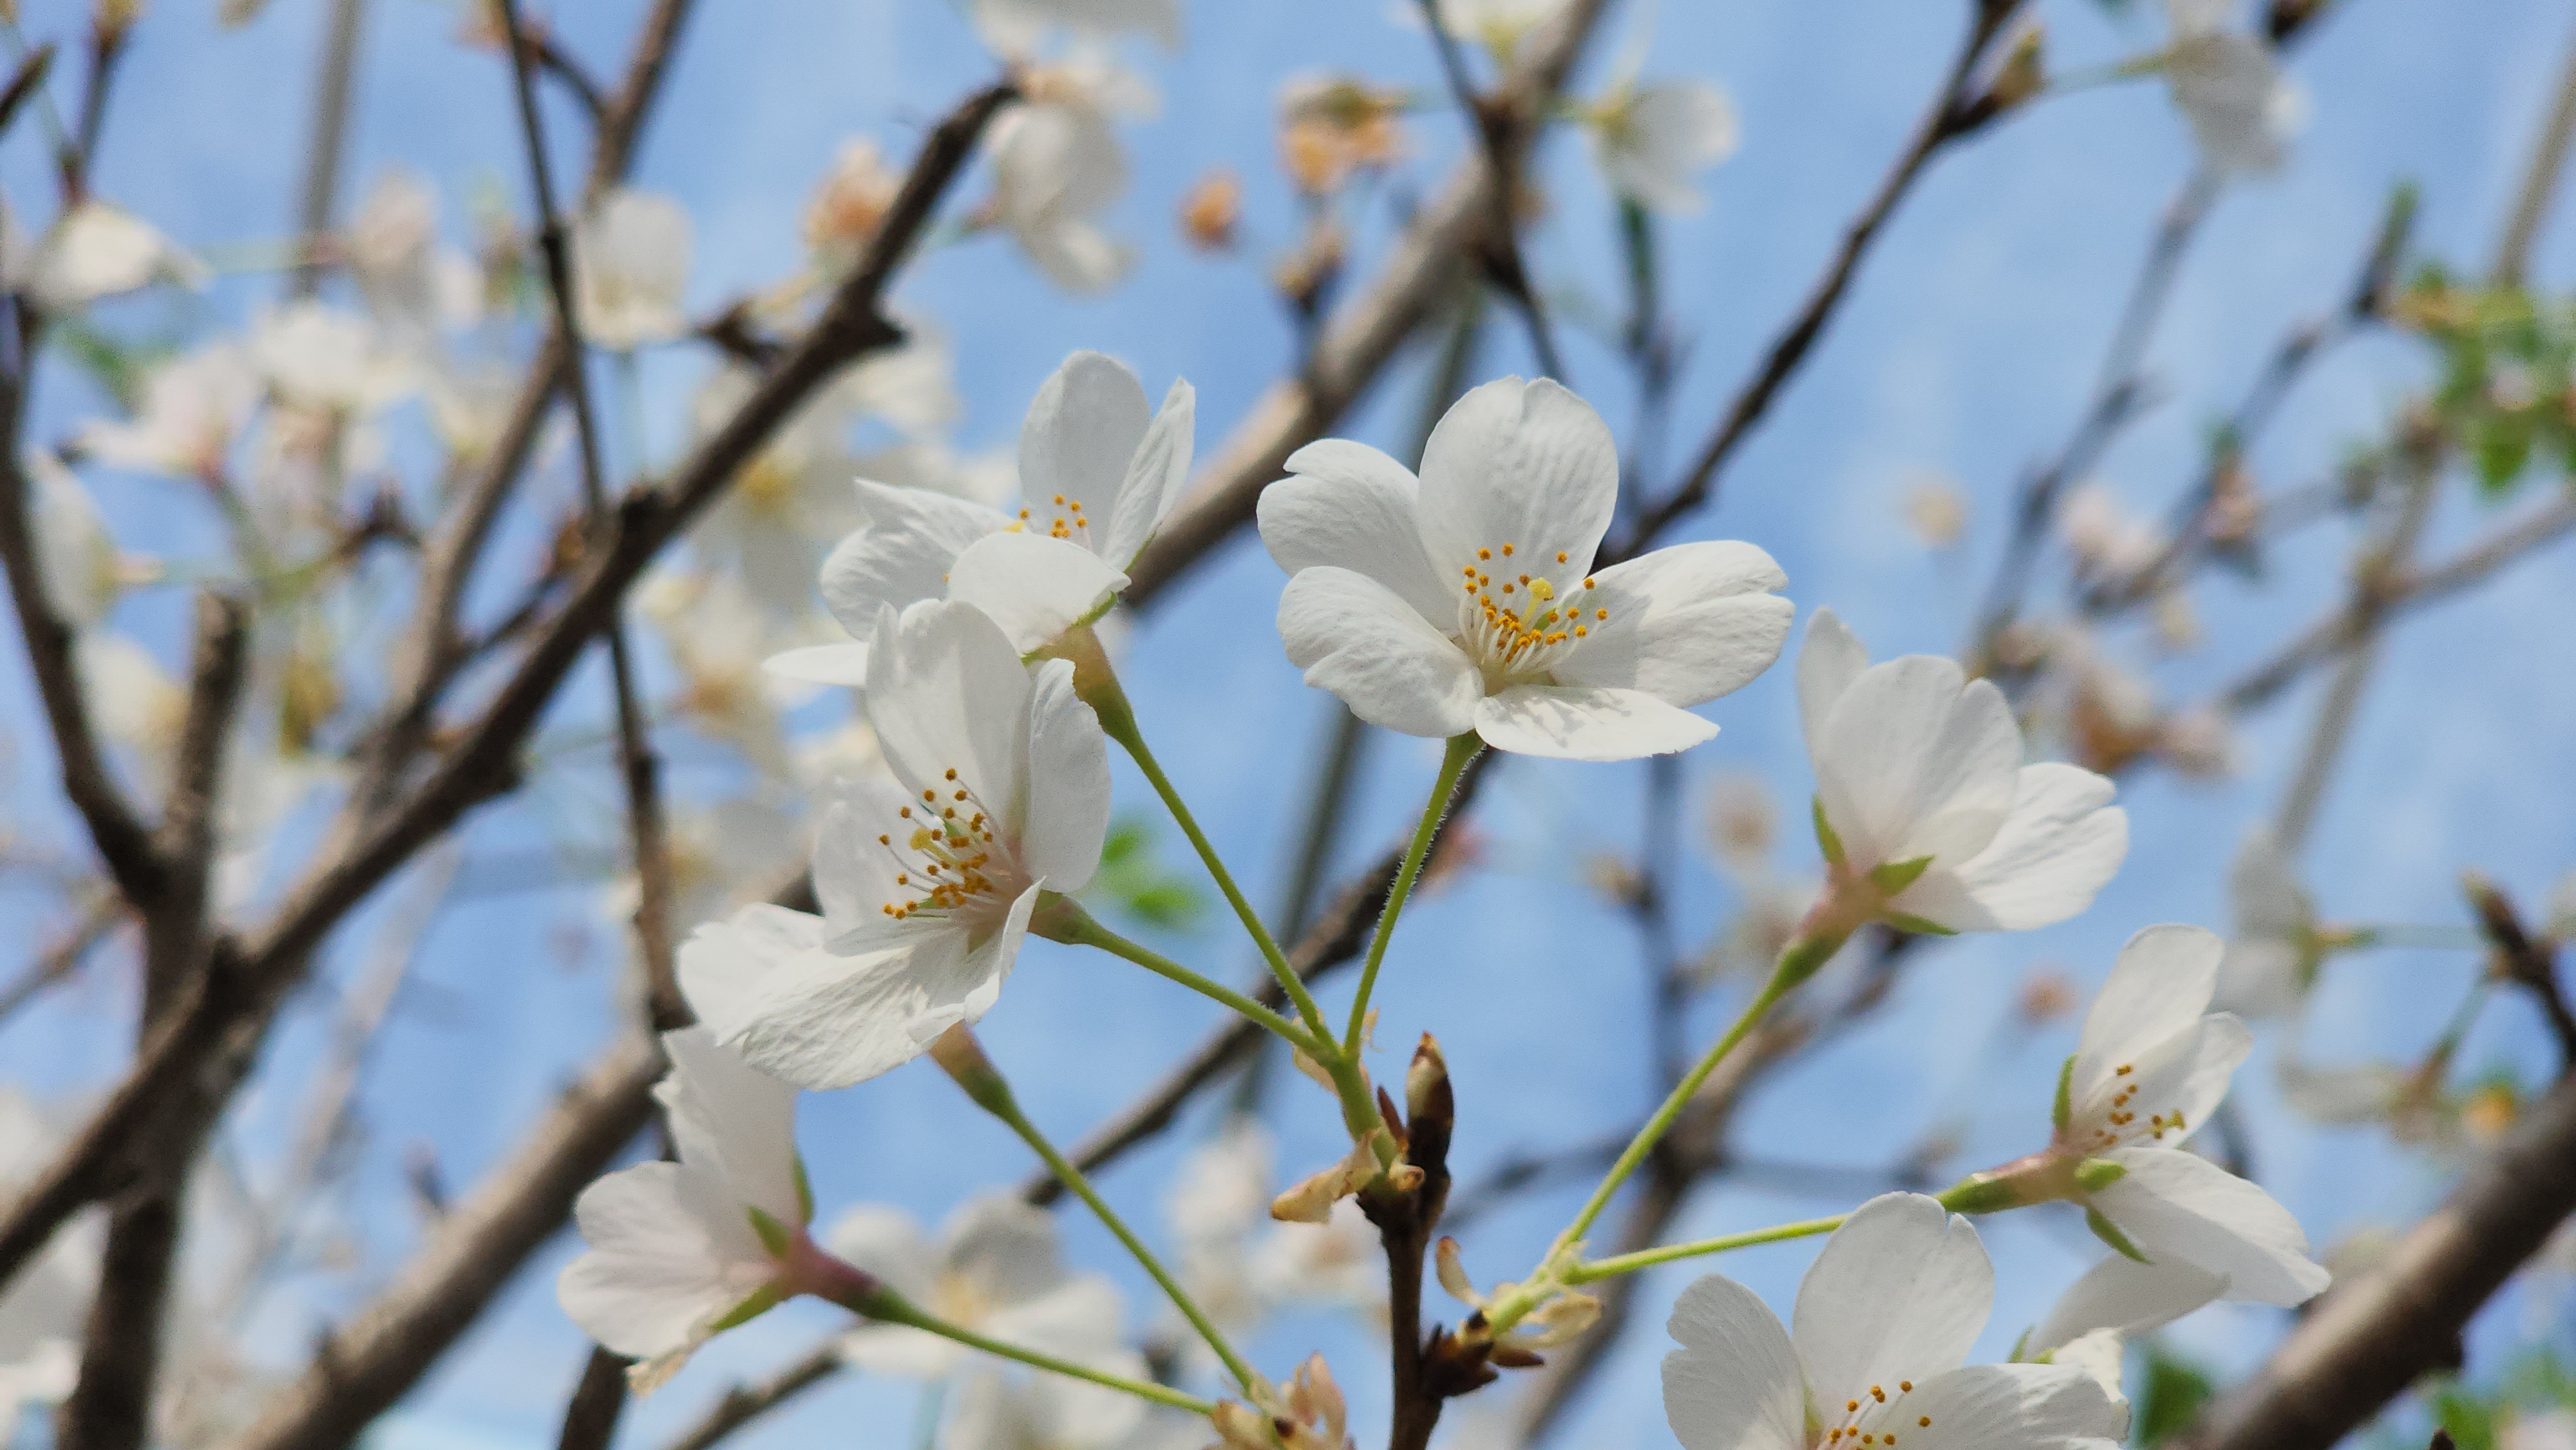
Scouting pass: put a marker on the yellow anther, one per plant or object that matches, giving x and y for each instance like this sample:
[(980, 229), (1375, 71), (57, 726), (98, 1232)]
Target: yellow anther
[(1484, 553), (1507, 551)]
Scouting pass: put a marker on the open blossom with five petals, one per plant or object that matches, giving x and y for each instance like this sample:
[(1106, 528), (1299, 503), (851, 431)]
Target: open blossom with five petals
[(996, 1269), (1465, 599), (999, 789), (681, 1250), (2115, 1301), (1651, 141), (1099, 467), (2243, 111), (2151, 1066), (630, 264), (1922, 797), (1885, 1318)]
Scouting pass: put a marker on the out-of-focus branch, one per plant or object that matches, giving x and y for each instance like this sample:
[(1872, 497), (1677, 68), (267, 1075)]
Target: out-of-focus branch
[(99, 915), (110, 1407), (430, 652), (1495, 125), (2527, 961), (2388, 556), (1366, 331), (745, 1403), (2329, 636), (2531, 201), (636, 761), (1952, 115), (334, 84), (2374, 1334), (371, 1361)]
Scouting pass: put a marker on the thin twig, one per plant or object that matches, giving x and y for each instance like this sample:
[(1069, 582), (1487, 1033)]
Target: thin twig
[(1950, 117), (2529, 962), (333, 90), (1494, 125)]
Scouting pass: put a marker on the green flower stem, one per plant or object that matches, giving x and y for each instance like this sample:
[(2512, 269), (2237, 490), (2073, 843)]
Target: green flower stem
[(1118, 721), (1462, 748), (1798, 961), (1648, 1258), (887, 1307), (963, 1059), (1068, 922)]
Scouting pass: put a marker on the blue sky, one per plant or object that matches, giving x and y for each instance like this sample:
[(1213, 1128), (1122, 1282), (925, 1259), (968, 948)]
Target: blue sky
[(1965, 352)]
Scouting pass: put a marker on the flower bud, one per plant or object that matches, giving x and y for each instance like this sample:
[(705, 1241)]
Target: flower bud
[(1426, 1083), (1212, 210), (962, 1058)]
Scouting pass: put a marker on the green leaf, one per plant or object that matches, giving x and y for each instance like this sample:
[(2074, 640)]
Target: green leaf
[(1826, 840), (1133, 877), (2063, 1110), (2109, 1233), (804, 1191), (2469, 1417), (1895, 876), (2169, 1396), (762, 1300)]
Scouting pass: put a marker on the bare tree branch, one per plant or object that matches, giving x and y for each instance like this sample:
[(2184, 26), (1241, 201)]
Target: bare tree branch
[(2374, 1334), (1366, 331), (1952, 115)]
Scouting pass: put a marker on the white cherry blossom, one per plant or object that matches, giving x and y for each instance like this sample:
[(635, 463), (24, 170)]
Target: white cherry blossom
[(1058, 164), (996, 1410), (82, 568), (996, 1268), (1015, 27), (1465, 599), (1098, 470), (2274, 943), (999, 789), (2243, 112), (99, 250), (1652, 141), (194, 407), (680, 1250), (323, 360), (1922, 794), (43, 1309), (2114, 1302), (2151, 1066), (630, 264), (1885, 1319)]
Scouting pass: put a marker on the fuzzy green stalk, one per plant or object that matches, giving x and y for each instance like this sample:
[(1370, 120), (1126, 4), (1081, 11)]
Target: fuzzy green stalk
[(1462, 748), (1611, 1268), (1097, 684), (958, 1053), (1060, 918)]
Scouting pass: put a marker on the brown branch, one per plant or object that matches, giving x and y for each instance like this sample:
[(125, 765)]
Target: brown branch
[(1496, 124), (1951, 116), (99, 916), (745, 1403), (635, 756), (1366, 331), (110, 1407), (371, 1361), (2374, 1334), (333, 88), (2527, 961)]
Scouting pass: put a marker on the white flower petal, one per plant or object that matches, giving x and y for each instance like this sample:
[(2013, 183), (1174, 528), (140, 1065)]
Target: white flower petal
[(1357, 638), (1687, 624), (2012, 1407), (1527, 464), (1586, 722), (1068, 814), (1828, 662), (1034, 587), (853, 872), (662, 1265), (2125, 1296), (822, 664), (2258, 979), (1156, 474), (823, 1020), (2157, 989), (2061, 842), (946, 692), (1735, 1383), (1081, 430), (1348, 506), (1074, 1318), (1917, 761), (1004, 1248), (723, 962), (903, 553), (2177, 1204), (2264, 897), (1898, 1293), (731, 1119)]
